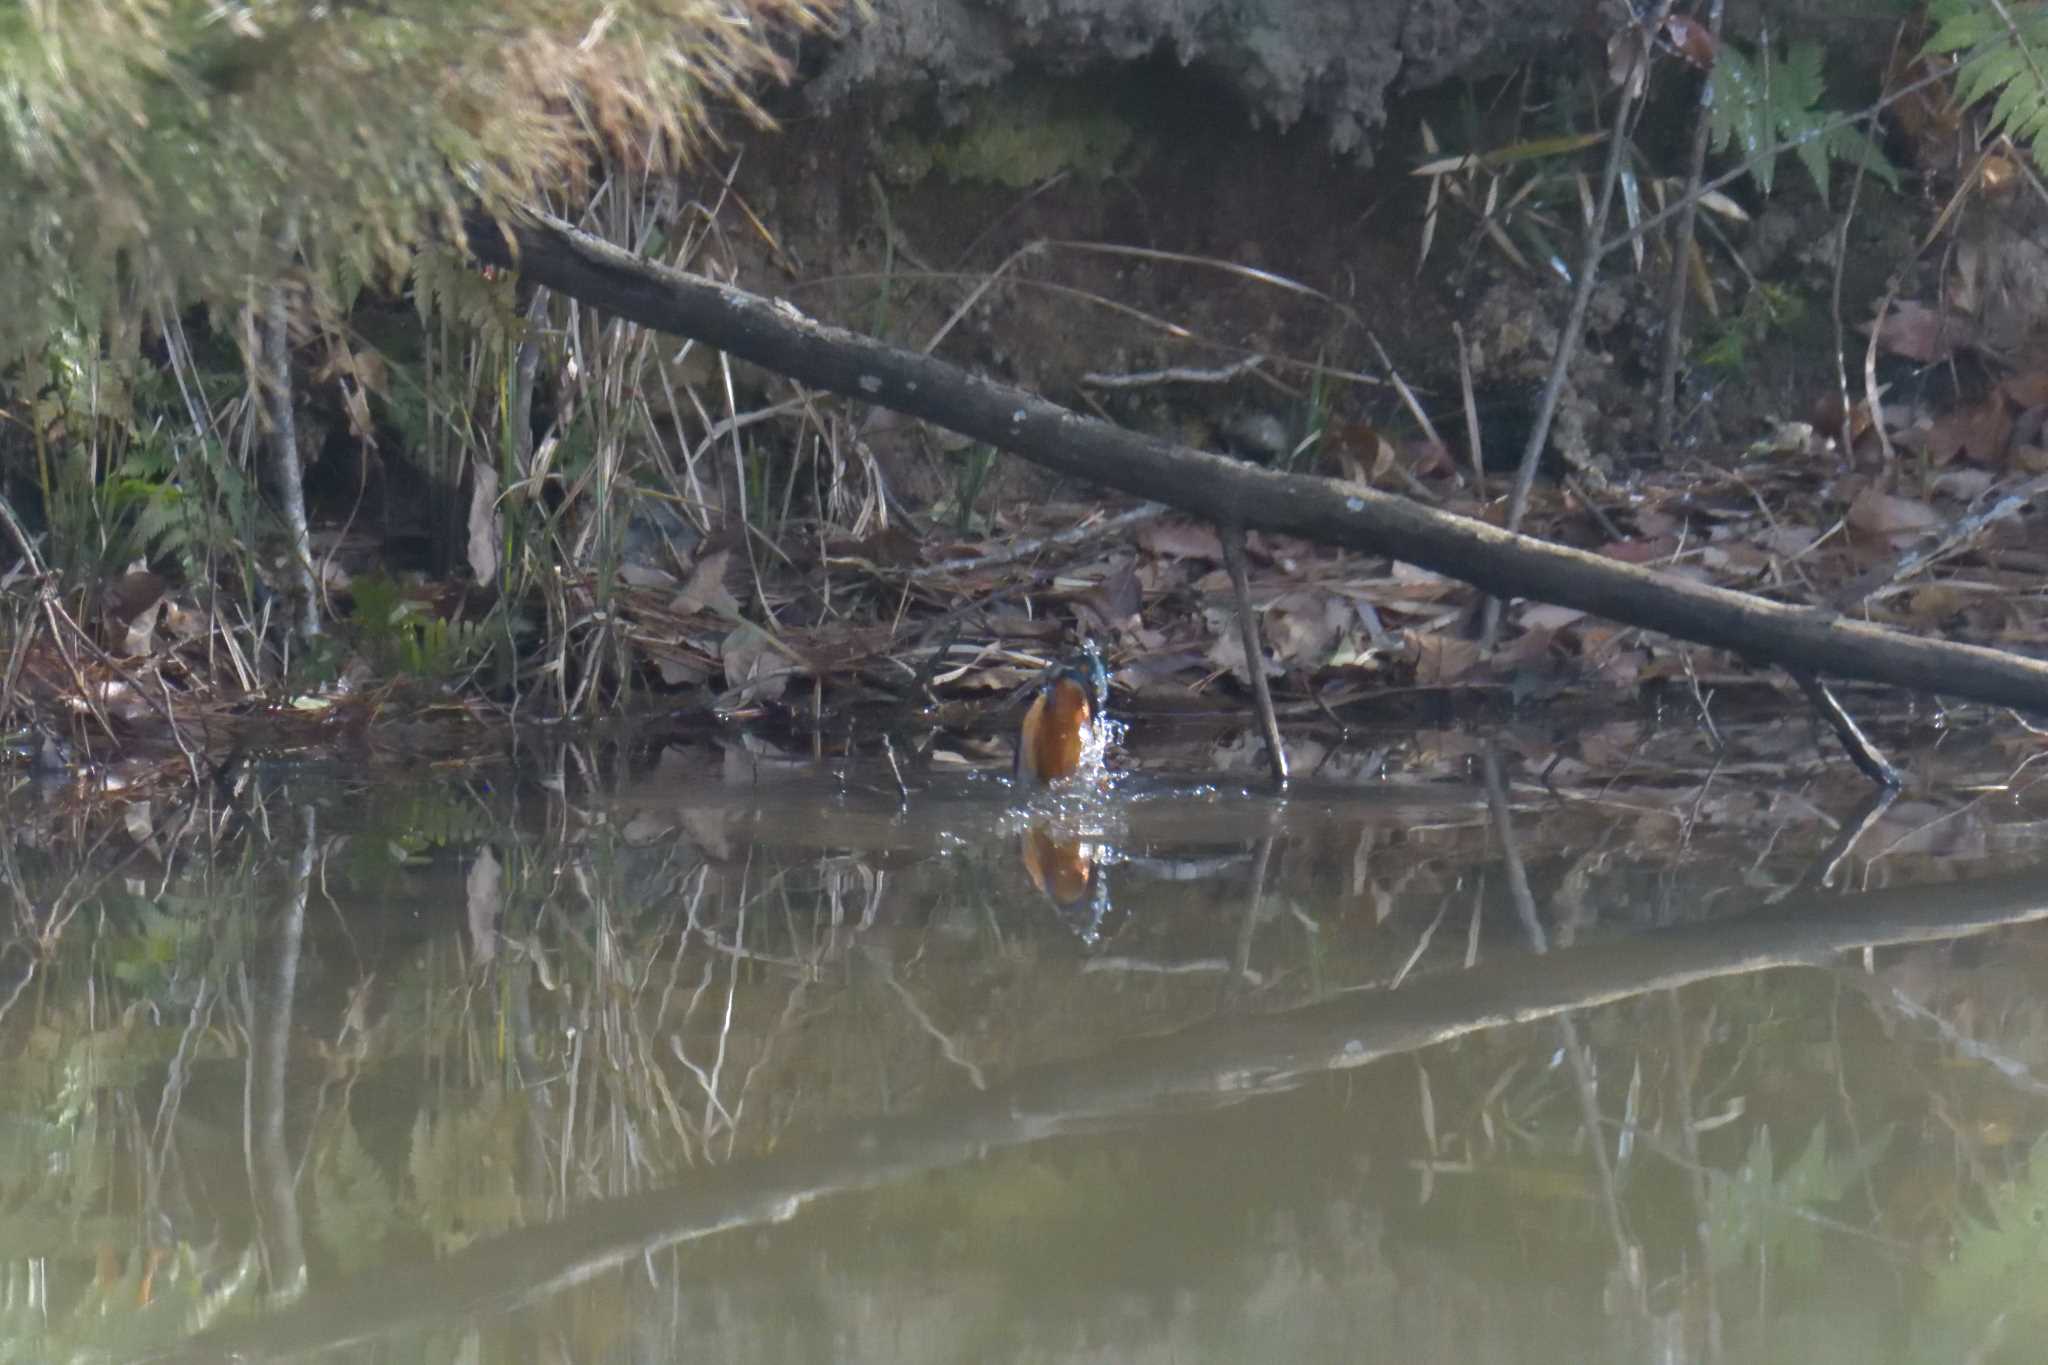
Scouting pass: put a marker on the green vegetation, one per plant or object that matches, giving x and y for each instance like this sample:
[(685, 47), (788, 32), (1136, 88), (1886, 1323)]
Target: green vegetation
[(207, 208), (1020, 134), (1729, 343), (1770, 102), (155, 153), (1999, 50)]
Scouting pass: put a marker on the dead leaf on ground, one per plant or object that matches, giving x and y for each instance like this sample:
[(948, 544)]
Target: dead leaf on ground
[(680, 673), (1980, 432), (1691, 39), (1930, 606), (1529, 650), (1876, 513), (1917, 332), (1624, 667), (645, 576), (1302, 628), (1846, 427), (1416, 583), (1289, 554), (2028, 390), (893, 547), (1176, 539), (1113, 603), (1786, 539), (1964, 484), (1543, 616), (1226, 646), (1000, 678), (706, 590), (1362, 454), (755, 667), (1444, 658), (1746, 557), (1641, 551)]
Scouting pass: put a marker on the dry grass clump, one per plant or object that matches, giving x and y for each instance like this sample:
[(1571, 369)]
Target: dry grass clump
[(181, 149)]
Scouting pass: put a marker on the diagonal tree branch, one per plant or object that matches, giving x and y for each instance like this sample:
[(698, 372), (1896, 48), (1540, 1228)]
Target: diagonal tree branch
[(778, 337)]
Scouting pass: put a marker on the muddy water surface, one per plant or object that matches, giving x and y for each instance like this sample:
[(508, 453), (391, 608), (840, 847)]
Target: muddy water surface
[(1580, 1045)]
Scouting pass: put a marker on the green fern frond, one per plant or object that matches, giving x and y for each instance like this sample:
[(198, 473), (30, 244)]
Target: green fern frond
[(2002, 49), (1764, 107), (446, 287), (162, 527)]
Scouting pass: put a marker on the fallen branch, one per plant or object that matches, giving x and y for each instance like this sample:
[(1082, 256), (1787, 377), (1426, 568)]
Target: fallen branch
[(778, 337)]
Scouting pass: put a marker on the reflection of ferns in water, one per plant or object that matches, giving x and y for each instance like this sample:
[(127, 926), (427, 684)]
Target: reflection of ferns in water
[(2001, 49), (440, 819), (1995, 1269)]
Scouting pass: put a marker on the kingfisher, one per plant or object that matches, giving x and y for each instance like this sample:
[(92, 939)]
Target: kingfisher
[(1072, 699)]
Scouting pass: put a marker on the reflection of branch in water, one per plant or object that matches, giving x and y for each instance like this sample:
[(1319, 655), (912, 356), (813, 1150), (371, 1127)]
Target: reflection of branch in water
[(719, 1115), (1254, 911), (1223, 1061), (1421, 945), (714, 1107), (157, 1152), (2011, 1069), (1192, 967), (272, 1184), (28, 974), (1682, 1063), (1867, 815), (1628, 1257), (947, 1046)]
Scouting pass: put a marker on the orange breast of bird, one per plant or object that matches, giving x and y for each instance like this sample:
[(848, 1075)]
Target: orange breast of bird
[(1055, 731)]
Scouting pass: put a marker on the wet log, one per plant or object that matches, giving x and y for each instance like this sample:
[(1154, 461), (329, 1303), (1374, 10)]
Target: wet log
[(776, 336)]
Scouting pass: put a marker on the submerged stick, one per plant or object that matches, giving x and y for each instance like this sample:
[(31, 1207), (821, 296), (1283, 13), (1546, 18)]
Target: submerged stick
[(1865, 754)]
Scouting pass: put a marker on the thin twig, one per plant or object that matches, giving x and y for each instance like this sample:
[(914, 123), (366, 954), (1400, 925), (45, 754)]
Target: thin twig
[(1471, 412), (1025, 549), (1575, 323), (1174, 374), (1254, 654), (1682, 247), (1408, 399), (1582, 296), (1957, 534)]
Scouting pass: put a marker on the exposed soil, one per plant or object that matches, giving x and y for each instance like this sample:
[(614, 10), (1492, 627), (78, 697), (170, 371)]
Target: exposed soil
[(1203, 180)]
